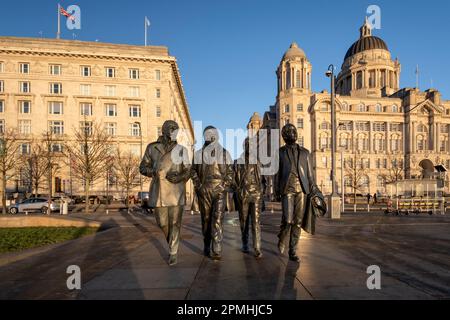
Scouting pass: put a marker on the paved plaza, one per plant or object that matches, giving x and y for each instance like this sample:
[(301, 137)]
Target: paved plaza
[(128, 261)]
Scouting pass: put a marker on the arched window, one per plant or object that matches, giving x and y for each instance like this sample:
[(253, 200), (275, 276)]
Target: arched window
[(325, 142), (379, 143), (345, 107), (395, 108), (345, 141), (421, 143), (396, 143), (362, 108), (378, 108), (362, 143), (287, 108)]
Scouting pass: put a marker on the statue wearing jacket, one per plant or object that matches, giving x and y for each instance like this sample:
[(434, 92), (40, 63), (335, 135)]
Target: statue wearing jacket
[(295, 185)]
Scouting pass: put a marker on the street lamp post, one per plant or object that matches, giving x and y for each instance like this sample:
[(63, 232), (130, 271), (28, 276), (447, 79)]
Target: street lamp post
[(140, 176), (334, 204)]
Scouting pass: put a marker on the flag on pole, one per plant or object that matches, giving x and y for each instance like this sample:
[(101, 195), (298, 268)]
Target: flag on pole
[(147, 22), (66, 14)]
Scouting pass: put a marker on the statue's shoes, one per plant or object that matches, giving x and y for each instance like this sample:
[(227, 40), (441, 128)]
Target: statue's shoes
[(216, 257), (173, 260), (258, 254), (294, 258), (281, 247), (245, 249)]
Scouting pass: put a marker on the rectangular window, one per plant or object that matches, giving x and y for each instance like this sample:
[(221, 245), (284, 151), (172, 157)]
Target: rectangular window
[(300, 123), (363, 126), (158, 93), (134, 74), (444, 146), (55, 69), (110, 91), (287, 108), (55, 107), (56, 127), (85, 89), (24, 87), (110, 72), (134, 92), (86, 109), (300, 107), (135, 130), (85, 71), (25, 107), (158, 111), (2, 126), (158, 74), (111, 110), (379, 126), (396, 127), (25, 126), (135, 111), (86, 126), (1, 67), (2, 106), (111, 128), (25, 148), (57, 148), (2, 86), (55, 88), (24, 68)]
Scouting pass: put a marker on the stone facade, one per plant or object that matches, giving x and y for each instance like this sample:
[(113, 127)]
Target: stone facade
[(46, 84), (381, 127)]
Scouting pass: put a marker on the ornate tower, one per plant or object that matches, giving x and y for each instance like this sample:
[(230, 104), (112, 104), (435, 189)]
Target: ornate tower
[(294, 92)]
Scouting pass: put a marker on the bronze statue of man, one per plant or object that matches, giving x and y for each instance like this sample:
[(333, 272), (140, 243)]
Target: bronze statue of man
[(168, 164), (249, 191), (300, 196), (212, 174)]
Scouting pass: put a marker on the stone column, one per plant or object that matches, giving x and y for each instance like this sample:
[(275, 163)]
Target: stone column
[(371, 149), (388, 139), (413, 137)]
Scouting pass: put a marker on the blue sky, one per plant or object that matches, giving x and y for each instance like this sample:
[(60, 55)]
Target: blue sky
[(228, 51)]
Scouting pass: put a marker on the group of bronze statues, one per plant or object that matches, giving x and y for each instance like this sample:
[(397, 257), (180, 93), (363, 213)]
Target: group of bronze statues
[(214, 175)]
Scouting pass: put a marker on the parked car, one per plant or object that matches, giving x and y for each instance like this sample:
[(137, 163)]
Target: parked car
[(34, 204), (144, 199)]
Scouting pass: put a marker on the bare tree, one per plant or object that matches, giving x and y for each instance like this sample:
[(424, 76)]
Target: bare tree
[(396, 169), (89, 153), (35, 165), (9, 149), (126, 167), (355, 171)]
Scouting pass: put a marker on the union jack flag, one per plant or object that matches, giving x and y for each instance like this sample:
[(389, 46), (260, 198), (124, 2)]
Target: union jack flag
[(66, 14)]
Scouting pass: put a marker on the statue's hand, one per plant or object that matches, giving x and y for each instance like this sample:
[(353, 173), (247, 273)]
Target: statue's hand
[(174, 177)]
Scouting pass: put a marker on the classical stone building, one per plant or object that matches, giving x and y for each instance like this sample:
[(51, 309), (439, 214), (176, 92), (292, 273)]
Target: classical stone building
[(60, 85), (385, 132)]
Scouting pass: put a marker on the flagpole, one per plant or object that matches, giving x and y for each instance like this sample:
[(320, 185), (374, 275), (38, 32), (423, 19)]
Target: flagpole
[(145, 26), (58, 34), (417, 77)]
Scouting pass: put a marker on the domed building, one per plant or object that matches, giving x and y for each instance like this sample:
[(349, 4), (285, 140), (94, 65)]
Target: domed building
[(385, 133)]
